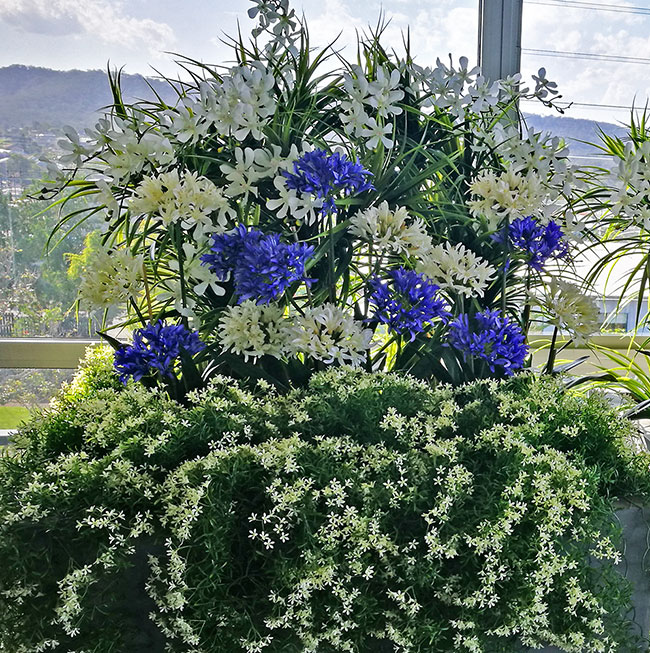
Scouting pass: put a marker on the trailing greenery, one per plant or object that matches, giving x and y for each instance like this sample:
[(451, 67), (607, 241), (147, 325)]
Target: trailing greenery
[(360, 513)]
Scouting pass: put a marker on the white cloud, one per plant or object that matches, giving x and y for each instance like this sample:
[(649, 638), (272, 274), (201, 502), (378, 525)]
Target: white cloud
[(102, 19), (589, 81), (436, 28)]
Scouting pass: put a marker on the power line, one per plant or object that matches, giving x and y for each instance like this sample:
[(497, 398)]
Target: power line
[(597, 105), (595, 56), (579, 4)]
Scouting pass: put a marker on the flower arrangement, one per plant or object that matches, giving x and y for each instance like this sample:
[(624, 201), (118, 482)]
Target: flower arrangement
[(297, 211), (292, 243)]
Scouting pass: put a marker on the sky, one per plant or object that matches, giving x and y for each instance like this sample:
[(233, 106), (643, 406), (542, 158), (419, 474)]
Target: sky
[(136, 34)]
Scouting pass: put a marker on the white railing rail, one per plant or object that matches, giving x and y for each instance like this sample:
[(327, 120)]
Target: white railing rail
[(60, 353), (42, 353)]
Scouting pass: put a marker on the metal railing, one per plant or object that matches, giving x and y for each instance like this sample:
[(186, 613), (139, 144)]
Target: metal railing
[(60, 353), (42, 353), (65, 353)]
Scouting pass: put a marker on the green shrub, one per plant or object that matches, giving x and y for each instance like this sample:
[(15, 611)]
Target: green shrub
[(363, 513)]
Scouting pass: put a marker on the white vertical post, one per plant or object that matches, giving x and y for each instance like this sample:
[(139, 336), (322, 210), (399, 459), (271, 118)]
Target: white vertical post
[(499, 38)]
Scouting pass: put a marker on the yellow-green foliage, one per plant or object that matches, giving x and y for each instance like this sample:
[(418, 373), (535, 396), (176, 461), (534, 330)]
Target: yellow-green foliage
[(369, 513)]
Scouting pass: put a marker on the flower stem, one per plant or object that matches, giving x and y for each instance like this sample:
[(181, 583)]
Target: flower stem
[(551, 354), (147, 292)]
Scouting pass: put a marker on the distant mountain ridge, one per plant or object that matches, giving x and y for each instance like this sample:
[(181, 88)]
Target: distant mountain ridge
[(40, 98), (574, 130), (33, 97)]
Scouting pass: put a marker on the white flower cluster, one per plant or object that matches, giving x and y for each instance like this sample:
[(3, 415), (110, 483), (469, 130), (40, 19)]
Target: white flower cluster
[(568, 307), (538, 152), (381, 95), (278, 20), (455, 90), (253, 331), (391, 231), (506, 195), (238, 106), (326, 333), (457, 268), (184, 198), (111, 278), (630, 198), (129, 152)]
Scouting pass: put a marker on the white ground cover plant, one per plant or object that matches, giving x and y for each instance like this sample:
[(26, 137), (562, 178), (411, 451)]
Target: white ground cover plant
[(363, 512)]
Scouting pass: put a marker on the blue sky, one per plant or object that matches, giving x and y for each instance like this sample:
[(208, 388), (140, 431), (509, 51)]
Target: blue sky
[(85, 34)]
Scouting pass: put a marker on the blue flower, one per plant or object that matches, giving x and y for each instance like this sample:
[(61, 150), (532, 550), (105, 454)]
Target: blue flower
[(262, 266), (327, 176), (538, 242), (497, 340), (156, 348), (227, 250), (406, 301)]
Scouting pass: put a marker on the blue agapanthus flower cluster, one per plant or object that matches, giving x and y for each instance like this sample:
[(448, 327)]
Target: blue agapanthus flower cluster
[(538, 242), (261, 265), (406, 301), (492, 337), (327, 176), (156, 348)]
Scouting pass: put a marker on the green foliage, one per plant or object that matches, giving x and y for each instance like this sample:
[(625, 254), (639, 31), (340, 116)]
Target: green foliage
[(35, 285), (362, 513)]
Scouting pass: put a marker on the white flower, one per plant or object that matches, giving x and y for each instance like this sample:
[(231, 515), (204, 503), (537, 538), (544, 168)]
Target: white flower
[(186, 123), (356, 84), (327, 333), (508, 194), (251, 330), (303, 207), (353, 118), (482, 95), (457, 268), (377, 133), (241, 104), (269, 161), (107, 198), (384, 92), (195, 272), (185, 198), (76, 150), (391, 231), (543, 87), (131, 152), (567, 306), (243, 175), (110, 278), (170, 290)]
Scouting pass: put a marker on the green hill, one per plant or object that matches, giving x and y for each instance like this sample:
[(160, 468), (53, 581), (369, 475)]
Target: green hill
[(41, 98)]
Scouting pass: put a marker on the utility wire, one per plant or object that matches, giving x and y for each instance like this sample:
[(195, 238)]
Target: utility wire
[(595, 56), (578, 4), (596, 105), (592, 6)]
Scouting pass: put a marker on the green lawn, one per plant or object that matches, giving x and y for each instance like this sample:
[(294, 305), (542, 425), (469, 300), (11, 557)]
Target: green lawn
[(12, 416)]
